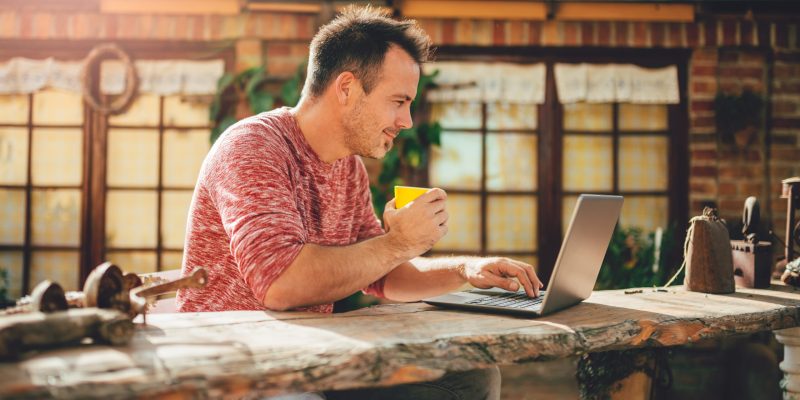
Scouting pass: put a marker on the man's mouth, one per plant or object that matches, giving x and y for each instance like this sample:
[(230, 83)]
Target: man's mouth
[(390, 133)]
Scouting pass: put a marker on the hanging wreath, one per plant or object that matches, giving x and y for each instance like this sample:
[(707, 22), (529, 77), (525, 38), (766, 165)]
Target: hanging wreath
[(122, 102)]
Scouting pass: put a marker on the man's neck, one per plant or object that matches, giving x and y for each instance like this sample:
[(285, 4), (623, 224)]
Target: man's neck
[(321, 128)]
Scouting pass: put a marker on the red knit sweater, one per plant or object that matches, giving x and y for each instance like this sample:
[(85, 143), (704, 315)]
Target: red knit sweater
[(261, 195)]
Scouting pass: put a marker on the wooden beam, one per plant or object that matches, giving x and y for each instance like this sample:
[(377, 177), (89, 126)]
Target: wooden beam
[(191, 7), (511, 10), (303, 8), (625, 12)]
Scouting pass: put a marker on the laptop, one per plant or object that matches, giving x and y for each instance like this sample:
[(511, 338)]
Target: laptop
[(574, 274)]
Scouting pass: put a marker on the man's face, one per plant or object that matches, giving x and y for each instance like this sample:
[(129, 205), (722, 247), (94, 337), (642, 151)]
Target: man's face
[(374, 120)]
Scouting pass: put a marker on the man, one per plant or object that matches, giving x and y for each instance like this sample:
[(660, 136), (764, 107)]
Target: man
[(282, 216)]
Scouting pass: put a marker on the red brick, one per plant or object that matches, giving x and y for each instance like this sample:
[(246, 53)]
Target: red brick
[(729, 33), (786, 71), (571, 34), (785, 107), (703, 155), (764, 35), (702, 106), (746, 32), (706, 187), (449, 32), (711, 33), (60, 24), (535, 33), (780, 172), (621, 34), (198, 27), (779, 139), (782, 35), (704, 71), (727, 189), (704, 87), (786, 122), (587, 33), (784, 87), (735, 71), (675, 36), (604, 33), (278, 49), (657, 34), (640, 34), (740, 171), (730, 209), (751, 188), (702, 56), (786, 153), (499, 33), (702, 122), (692, 35), (704, 171), (26, 25)]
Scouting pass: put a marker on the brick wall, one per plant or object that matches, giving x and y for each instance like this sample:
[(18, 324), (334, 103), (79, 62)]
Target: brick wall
[(727, 54)]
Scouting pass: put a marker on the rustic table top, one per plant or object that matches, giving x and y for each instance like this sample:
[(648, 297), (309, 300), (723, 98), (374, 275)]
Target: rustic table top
[(262, 353)]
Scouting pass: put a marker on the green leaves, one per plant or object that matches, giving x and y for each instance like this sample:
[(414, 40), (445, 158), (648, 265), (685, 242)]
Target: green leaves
[(251, 85)]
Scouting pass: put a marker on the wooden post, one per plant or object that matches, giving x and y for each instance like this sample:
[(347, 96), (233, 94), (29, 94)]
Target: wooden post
[(790, 338)]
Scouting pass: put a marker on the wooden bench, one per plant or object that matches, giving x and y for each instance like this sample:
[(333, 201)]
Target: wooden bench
[(266, 353)]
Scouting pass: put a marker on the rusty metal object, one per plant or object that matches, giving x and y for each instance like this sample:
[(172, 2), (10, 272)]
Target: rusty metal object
[(46, 297), (139, 296), (752, 259)]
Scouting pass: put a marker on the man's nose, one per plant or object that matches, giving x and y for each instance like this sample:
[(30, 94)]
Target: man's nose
[(404, 121)]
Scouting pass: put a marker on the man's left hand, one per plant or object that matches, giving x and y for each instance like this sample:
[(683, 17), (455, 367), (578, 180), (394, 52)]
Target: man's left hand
[(485, 273)]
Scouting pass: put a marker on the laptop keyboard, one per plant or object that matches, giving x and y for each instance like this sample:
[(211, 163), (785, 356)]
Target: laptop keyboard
[(510, 300)]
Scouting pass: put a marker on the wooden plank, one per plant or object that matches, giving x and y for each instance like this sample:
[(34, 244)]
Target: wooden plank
[(264, 353), (184, 7), (625, 12), (510, 10)]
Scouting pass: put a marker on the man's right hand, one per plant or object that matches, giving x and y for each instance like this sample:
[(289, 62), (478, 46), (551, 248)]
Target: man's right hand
[(416, 227)]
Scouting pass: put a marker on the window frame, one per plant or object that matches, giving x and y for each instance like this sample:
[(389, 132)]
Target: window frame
[(95, 127), (551, 133)]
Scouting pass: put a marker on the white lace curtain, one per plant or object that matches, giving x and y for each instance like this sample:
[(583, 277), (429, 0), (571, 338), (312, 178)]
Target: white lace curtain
[(489, 82), (525, 84), (616, 83), (163, 77)]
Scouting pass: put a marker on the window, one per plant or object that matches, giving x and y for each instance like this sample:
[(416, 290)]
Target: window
[(78, 188), (41, 180), (154, 154), (513, 173), (488, 165)]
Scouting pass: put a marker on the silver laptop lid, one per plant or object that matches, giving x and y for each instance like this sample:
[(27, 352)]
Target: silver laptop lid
[(581, 256)]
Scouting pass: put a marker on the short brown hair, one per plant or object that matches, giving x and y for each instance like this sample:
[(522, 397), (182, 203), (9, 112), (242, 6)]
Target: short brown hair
[(357, 41)]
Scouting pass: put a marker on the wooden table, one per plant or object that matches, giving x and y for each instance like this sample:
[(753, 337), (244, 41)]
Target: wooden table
[(264, 353)]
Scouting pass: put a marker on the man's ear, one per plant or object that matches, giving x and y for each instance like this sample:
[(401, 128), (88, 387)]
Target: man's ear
[(345, 86)]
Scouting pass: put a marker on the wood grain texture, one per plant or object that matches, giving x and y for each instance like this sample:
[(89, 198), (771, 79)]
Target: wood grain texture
[(252, 353)]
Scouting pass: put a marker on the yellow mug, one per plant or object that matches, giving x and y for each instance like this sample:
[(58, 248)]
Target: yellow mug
[(406, 194)]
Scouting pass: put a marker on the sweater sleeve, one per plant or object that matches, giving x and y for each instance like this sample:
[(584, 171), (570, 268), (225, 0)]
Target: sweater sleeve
[(252, 190), (370, 225)]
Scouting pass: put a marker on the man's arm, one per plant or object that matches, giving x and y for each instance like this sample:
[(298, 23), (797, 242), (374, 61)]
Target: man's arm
[(323, 274), (428, 277)]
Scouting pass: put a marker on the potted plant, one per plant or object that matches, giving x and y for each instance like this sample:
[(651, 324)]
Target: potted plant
[(738, 116)]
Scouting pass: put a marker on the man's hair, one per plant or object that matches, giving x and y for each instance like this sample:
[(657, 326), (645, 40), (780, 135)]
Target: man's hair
[(357, 41)]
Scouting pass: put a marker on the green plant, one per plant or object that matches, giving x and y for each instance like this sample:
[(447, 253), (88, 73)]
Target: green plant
[(5, 299), (248, 93), (411, 150), (737, 112), (630, 258)]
